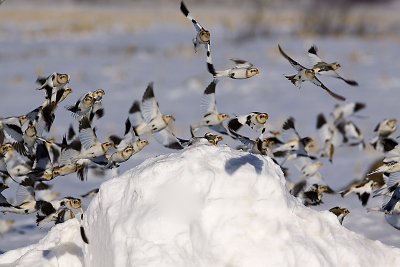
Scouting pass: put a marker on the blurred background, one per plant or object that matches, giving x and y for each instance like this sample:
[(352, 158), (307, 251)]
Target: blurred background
[(122, 45)]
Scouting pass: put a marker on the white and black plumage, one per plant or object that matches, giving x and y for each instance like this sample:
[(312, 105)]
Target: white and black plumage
[(52, 85), (297, 147), (42, 118), (208, 138), (118, 157), (242, 70), (312, 196), (4, 174), (328, 69), (343, 112), (157, 123), (82, 106), (50, 211), (352, 134), (329, 135), (11, 128), (25, 199), (131, 138), (3, 200), (305, 74), (42, 168), (212, 118), (383, 141), (136, 118), (363, 189), (92, 148), (340, 213), (255, 120), (202, 36)]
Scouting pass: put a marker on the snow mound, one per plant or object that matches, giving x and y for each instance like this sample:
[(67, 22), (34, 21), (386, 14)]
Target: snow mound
[(214, 206), (61, 247), (204, 206)]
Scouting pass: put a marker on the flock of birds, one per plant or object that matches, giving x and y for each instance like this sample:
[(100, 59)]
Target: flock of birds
[(33, 161)]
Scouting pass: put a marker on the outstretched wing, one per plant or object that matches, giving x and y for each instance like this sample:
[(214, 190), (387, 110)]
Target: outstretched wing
[(186, 12), (294, 63), (167, 139), (86, 134), (208, 103), (240, 63), (312, 53), (150, 108), (319, 83)]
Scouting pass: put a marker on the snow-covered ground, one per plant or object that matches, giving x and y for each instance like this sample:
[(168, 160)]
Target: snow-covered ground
[(123, 62), (204, 206)]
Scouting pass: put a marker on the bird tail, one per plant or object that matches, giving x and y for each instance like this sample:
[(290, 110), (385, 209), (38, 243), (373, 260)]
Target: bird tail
[(292, 79)]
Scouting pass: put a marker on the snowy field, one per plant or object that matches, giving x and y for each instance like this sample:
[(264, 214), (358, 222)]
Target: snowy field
[(122, 62)]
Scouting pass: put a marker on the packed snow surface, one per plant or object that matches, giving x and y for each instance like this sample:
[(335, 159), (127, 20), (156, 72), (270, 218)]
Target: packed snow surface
[(203, 206)]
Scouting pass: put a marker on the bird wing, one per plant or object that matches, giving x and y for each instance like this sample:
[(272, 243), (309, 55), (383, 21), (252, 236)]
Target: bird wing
[(319, 83), (167, 139), (312, 53), (25, 194), (294, 63), (335, 74), (240, 63), (150, 107), (185, 12), (219, 128), (42, 158), (86, 134), (208, 103)]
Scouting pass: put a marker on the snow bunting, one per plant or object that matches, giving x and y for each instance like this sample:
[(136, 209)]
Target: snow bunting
[(255, 120), (211, 117), (82, 105), (340, 213), (92, 147), (305, 74), (328, 69), (362, 188), (342, 112), (203, 36), (131, 138), (313, 195), (242, 70), (119, 156), (157, 123)]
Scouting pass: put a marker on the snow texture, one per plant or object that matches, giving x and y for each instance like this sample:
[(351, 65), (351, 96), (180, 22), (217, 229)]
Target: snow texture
[(204, 206)]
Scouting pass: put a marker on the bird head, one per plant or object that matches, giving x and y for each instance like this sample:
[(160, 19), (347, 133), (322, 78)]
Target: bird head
[(322, 188), (22, 119), (204, 36), (251, 72), (141, 143), (107, 145), (72, 203), (5, 148), (345, 211), (223, 116), (167, 118), (261, 118), (61, 79), (98, 93), (129, 150), (335, 65), (88, 99), (391, 123)]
